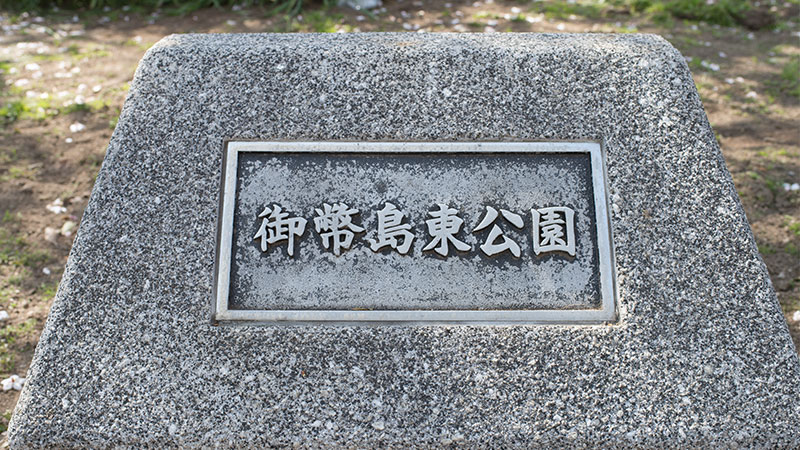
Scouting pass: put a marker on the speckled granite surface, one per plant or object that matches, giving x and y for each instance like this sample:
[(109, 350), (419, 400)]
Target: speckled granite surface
[(701, 354)]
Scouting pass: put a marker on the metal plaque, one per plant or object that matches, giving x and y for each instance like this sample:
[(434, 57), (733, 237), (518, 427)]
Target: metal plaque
[(414, 232)]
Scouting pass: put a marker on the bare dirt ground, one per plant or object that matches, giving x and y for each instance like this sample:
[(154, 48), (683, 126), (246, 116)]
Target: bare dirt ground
[(65, 77)]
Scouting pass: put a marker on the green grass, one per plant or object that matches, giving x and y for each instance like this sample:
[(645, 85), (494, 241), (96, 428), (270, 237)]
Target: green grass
[(790, 77), (4, 419), (766, 249), (318, 21), (15, 251), (562, 10), (48, 290), (8, 336), (792, 224)]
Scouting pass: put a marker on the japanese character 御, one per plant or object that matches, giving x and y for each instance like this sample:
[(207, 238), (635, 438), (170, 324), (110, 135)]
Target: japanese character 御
[(277, 226)]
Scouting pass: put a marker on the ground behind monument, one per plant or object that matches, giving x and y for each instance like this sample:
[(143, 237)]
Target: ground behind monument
[(65, 77)]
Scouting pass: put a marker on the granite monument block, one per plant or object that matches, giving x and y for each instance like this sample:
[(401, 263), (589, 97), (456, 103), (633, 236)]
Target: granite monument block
[(413, 240)]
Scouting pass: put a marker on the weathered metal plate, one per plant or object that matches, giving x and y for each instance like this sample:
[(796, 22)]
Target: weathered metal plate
[(386, 232)]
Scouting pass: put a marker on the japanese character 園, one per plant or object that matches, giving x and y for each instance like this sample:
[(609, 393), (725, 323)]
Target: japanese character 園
[(334, 223), (443, 227), (277, 226), (491, 247), (553, 230), (390, 228)]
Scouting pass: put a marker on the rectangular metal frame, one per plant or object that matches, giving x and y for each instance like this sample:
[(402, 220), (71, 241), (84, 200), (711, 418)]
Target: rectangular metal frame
[(221, 313)]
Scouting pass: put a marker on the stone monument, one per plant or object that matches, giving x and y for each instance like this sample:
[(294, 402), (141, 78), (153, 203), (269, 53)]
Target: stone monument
[(369, 240)]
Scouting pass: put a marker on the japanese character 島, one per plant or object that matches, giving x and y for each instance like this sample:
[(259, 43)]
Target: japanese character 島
[(390, 227)]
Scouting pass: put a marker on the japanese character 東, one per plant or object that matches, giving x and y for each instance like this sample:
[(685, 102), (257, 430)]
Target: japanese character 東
[(443, 227)]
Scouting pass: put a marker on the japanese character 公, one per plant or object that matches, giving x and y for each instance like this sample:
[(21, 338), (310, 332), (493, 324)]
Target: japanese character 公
[(554, 230), (491, 247), (443, 227), (276, 226), (390, 227), (335, 224)]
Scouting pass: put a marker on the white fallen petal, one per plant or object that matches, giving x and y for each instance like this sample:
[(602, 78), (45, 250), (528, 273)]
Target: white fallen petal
[(32, 67), (56, 209), (13, 382), (796, 316), (77, 126), (46, 271), (3, 315), (51, 235), (68, 228)]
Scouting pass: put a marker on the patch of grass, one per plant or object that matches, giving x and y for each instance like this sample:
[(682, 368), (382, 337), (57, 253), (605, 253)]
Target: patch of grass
[(562, 10), (766, 249), (792, 224), (8, 155), (772, 153), (318, 21), (91, 54), (792, 250), (15, 251), (17, 172), (773, 185), (12, 111), (48, 290), (790, 77), (4, 419), (485, 15), (8, 336), (27, 108), (720, 12)]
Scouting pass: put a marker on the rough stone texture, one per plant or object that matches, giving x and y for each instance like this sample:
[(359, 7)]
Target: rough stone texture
[(701, 355)]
